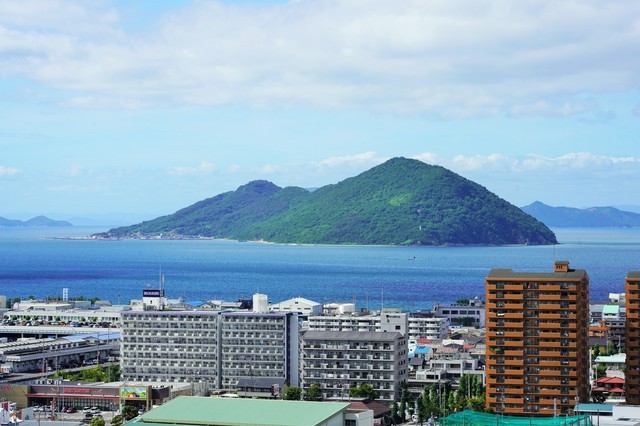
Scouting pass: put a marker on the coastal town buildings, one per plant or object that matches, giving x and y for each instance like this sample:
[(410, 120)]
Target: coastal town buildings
[(340, 360), (537, 356), (632, 371), (218, 349), (53, 354)]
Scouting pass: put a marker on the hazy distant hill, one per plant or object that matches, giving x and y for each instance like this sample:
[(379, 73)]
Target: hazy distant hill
[(592, 217), (36, 221), (399, 202)]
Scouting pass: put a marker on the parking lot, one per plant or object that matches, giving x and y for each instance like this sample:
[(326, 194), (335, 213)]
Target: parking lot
[(75, 416)]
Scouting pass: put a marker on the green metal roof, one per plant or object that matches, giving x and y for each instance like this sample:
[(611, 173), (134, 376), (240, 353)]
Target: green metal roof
[(611, 309), (187, 410)]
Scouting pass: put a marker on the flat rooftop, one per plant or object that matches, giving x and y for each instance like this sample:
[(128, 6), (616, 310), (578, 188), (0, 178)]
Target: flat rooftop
[(187, 410)]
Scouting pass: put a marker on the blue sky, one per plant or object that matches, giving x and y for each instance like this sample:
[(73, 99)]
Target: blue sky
[(142, 108)]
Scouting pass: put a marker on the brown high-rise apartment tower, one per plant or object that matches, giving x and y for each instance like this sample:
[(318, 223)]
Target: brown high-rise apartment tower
[(537, 340), (632, 371)]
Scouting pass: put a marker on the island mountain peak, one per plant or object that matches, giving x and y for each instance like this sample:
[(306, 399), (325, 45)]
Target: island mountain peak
[(400, 202)]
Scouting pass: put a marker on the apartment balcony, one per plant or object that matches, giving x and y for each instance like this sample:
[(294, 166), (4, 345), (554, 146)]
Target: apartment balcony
[(549, 334), (514, 362), (549, 392), (549, 373)]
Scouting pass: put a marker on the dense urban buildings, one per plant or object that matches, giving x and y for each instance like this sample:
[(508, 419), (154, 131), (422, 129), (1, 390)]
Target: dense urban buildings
[(632, 371), (537, 356), (340, 360)]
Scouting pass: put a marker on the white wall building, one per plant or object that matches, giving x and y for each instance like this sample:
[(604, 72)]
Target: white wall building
[(340, 360), (217, 348), (459, 313), (304, 307)]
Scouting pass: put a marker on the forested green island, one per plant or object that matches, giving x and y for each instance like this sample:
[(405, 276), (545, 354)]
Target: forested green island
[(400, 202)]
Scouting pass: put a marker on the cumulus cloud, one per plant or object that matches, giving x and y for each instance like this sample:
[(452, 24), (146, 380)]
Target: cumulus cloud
[(439, 57), (9, 171), (203, 168), (534, 163), (369, 157)]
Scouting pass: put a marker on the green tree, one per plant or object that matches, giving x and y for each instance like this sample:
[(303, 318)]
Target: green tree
[(595, 352), (129, 412), (395, 413), (314, 393), (421, 410), (117, 420), (97, 421), (365, 390), (292, 393)]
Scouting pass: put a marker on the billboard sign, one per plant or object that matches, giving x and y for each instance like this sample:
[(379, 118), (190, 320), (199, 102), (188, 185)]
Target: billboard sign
[(152, 293), (133, 392)]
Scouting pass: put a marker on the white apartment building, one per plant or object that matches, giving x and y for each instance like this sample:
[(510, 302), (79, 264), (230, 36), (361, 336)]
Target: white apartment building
[(339, 360), (459, 314), (444, 369), (433, 328), (385, 322), (169, 346), (215, 348), (258, 346), (412, 327)]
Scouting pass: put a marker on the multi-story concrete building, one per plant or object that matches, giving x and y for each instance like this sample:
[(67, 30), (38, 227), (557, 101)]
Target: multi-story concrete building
[(632, 371), (340, 360), (428, 327), (441, 370), (258, 345), (413, 327), (537, 357), (384, 322), (216, 348), (471, 313), (170, 346)]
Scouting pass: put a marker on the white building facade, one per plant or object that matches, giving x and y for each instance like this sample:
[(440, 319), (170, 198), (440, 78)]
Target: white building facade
[(340, 360), (216, 348)]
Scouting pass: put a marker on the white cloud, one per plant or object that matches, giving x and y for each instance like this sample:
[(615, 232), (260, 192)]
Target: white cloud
[(9, 171), (204, 168), (444, 57), (427, 157), (539, 163), (477, 162), (368, 157)]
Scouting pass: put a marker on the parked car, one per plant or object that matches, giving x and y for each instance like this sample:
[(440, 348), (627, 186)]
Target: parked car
[(71, 410)]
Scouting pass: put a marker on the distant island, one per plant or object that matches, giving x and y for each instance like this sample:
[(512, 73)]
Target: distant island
[(36, 221), (593, 217), (400, 202)]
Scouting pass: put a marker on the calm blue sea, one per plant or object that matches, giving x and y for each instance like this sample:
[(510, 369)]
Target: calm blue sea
[(34, 264)]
